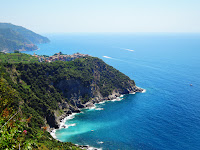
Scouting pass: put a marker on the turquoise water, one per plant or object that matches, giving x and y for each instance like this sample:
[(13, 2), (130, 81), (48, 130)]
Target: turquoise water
[(166, 117)]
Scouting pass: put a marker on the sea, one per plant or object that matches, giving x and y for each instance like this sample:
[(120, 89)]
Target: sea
[(165, 117)]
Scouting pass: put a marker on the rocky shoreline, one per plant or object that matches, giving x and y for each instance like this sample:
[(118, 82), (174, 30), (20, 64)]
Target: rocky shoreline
[(67, 114), (93, 102), (87, 147)]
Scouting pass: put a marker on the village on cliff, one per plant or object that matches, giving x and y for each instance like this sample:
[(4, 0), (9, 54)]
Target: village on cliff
[(59, 56)]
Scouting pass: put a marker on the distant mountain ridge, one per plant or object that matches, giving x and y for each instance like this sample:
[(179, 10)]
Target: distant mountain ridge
[(14, 37)]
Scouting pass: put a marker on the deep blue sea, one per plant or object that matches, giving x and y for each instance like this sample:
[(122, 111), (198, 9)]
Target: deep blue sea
[(166, 117)]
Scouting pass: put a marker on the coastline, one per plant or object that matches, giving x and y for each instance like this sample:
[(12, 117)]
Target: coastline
[(72, 115), (62, 125)]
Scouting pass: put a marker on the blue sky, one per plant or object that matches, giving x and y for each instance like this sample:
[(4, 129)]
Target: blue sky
[(103, 15)]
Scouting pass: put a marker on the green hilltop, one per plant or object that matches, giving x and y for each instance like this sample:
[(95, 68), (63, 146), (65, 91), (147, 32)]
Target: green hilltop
[(17, 57), (38, 94), (14, 37)]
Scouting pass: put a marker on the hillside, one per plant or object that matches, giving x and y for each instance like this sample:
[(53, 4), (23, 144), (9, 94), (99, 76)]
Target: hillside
[(11, 40), (18, 38), (45, 92), (28, 34), (16, 58)]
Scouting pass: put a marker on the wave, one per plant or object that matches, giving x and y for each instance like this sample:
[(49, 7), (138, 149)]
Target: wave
[(138, 64), (127, 49), (130, 50), (132, 93), (53, 133), (88, 147), (107, 57), (99, 109), (143, 91), (94, 148), (95, 107), (71, 116), (102, 102), (90, 108), (115, 59), (100, 142), (62, 122), (69, 125), (117, 99)]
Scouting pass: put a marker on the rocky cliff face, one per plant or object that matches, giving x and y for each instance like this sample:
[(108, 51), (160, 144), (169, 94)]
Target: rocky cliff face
[(97, 97), (74, 90), (60, 88), (103, 77)]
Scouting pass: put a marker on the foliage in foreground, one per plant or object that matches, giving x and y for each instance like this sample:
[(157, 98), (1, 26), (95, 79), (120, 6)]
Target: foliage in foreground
[(16, 129)]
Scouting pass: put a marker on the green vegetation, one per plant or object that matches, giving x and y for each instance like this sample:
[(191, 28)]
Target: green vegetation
[(107, 77), (20, 124), (11, 40), (28, 34), (34, 92), (17, 57), (18, 38), (12, 35)]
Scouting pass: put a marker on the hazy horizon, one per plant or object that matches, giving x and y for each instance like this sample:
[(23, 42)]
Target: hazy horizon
[(65, 16)]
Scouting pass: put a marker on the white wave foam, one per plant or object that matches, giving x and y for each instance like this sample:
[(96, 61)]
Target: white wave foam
[(130, 50), (94, 107), (115, 59), (93, 148), (127, 49), (70, 125), (99, 109), (62, 123), (90, 147), (107, 57), (132, 93), (91, 108), (100, 142), (143, 91), (114, 100), (117, 99), (53, 134), (121, 96), (70, 116), (102, 102)]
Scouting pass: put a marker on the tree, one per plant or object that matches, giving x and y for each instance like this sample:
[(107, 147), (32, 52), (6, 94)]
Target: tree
[(16, 51)]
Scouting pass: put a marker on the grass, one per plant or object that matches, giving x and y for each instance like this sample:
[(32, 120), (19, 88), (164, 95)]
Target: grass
[(17, 58)]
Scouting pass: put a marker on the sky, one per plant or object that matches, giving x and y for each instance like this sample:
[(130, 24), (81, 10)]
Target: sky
[(51, 16)]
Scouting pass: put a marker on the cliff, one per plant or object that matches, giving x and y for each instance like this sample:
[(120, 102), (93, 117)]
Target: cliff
[(47, 92)]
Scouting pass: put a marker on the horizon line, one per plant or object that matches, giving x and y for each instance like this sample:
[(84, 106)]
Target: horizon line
[(81, 32)]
